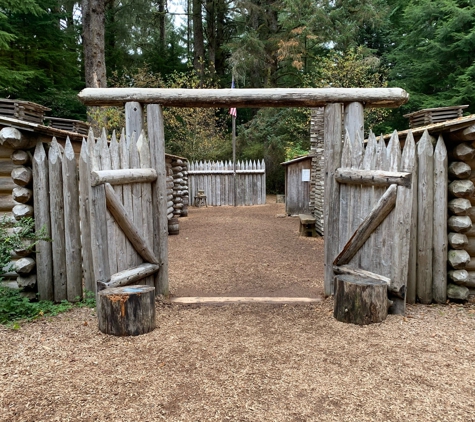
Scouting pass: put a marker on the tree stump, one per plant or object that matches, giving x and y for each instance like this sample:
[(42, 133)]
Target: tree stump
[(360, 300), (127, 311)]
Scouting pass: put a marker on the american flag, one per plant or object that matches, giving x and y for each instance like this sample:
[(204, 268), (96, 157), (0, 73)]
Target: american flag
[(232, 110)]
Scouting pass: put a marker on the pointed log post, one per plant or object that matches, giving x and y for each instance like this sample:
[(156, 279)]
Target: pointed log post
[(131, 257), (84, 185), (97, 209), (156, 136), (333, 150), (44, 258), (412, 271), (57, 221), (403, 217), (72, 233), (425, 236), (439, 265)]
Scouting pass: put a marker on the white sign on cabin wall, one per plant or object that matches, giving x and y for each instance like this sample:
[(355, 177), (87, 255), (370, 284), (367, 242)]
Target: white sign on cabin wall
[(305, 175)]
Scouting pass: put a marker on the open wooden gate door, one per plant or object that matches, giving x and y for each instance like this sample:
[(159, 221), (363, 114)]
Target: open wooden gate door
[(369, 210)]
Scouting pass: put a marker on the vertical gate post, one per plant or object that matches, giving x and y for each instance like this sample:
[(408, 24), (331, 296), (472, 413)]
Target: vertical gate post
[(332, 139), (354, 120), (156, 137), (97, 209), (133, 119)]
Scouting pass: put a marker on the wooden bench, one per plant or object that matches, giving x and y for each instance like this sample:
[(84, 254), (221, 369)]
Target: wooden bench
[(307, 225)]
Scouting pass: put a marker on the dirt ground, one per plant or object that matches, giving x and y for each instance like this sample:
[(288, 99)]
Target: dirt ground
[(243, 362), (244, 251)]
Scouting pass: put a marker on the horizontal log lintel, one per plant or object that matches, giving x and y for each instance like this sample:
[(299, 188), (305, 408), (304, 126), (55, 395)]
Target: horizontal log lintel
[(123, 176), (226, 171), (372, 177), (263, 97)]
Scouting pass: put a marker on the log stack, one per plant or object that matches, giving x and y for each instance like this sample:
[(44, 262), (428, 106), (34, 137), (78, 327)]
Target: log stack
[(180, 188), (177, 191), (16, 199), (461, 216)]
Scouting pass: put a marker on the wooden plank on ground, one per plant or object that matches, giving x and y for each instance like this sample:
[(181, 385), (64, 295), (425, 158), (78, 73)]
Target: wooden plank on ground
[(240, 300)]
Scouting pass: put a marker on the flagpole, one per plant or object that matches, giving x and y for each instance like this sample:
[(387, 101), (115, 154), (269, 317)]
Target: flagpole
[(234, 160), (233, 113)]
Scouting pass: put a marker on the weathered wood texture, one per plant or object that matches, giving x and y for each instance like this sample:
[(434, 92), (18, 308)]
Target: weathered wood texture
[(297, 191), (159, 195), (84, 207), (367, 218), (216, 179), (44, 259), (72, 232), (120, 231), (130, 276), (360, 300), (425, 152), (55, 158), (439, 268), (127, 311), (333, 138), (271, 97)]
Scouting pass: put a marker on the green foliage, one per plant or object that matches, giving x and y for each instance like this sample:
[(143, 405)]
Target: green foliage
[(14, 307), (195, 133), (40, 55), (275, 135), (19, 235), (432, 54)]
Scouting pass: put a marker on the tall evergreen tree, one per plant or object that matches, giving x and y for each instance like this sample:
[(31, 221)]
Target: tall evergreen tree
[(39, 55)]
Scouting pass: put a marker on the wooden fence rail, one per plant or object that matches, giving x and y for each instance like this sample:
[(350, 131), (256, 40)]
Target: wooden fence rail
[(217, 180)]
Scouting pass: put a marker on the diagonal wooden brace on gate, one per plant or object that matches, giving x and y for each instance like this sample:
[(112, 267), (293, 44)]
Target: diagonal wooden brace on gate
[(127, 225)]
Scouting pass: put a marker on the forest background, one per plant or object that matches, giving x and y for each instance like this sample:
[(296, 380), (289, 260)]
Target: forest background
[(51, 49)]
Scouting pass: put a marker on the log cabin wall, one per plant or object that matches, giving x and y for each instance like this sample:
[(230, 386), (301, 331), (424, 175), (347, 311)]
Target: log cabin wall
[(461, 231), (318, 167)]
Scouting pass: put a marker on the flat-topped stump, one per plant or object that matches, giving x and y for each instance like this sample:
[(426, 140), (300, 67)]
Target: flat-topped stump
[(360, 300), (127, 311)]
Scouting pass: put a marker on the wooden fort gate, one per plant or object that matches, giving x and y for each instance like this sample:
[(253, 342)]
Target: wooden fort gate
[(348, 230)]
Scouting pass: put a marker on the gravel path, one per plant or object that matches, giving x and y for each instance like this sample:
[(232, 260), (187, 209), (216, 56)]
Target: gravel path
[(243, 362)]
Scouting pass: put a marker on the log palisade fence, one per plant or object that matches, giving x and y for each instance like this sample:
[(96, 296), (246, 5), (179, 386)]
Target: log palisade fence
[(99, 212), (397, 233), (217, 180)]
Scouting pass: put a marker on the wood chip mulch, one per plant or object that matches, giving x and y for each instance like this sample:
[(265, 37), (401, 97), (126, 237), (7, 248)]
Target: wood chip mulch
[(243, 362)]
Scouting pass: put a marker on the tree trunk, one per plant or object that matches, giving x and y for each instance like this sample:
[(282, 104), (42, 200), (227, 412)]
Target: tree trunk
[(93, 39), (93, 20), (198, 41), (161, 22), (211, 33)]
